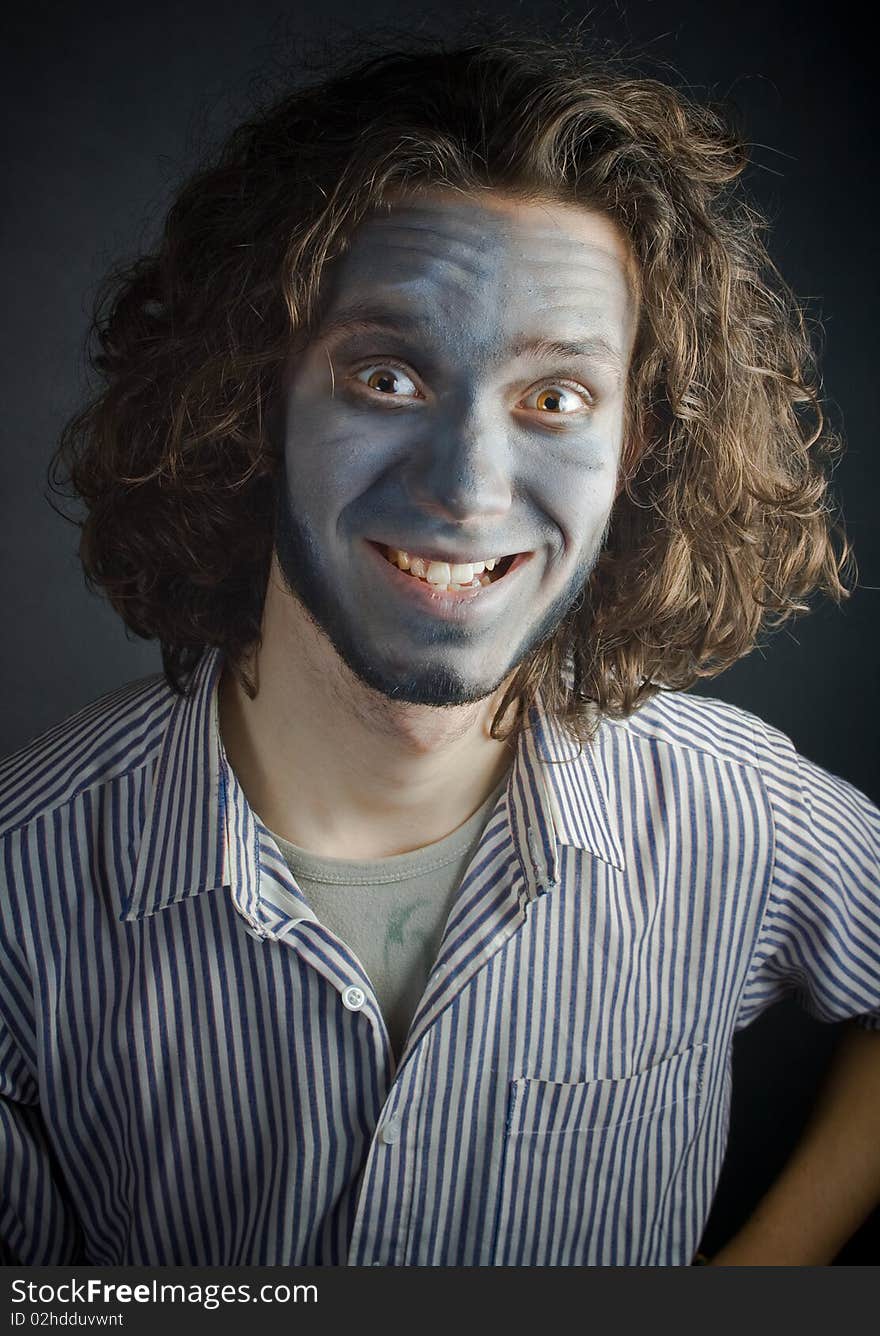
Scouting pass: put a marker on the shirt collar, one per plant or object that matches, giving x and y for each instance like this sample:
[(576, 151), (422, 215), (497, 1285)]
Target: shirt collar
[(561, 795), (199, 833), (182, 850)]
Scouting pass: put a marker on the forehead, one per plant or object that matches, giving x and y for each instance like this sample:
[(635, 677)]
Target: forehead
[(445, 258)]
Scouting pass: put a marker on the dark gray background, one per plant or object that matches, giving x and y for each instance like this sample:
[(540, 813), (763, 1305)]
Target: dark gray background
[(108, 109)]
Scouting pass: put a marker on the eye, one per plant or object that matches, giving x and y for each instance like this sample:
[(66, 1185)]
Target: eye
[(560, 398), (390, 381)]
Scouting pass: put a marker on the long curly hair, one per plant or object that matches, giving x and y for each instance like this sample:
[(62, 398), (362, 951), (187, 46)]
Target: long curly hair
[(724, 525)]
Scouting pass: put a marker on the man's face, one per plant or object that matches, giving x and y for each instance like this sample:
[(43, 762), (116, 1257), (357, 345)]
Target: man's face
[(462, 400)]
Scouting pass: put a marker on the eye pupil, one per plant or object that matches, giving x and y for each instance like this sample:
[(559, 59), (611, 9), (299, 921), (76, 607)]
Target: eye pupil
[(382, 380), (551, 400)]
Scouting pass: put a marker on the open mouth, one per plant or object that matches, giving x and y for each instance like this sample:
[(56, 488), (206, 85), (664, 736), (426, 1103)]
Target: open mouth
[(446, 576)]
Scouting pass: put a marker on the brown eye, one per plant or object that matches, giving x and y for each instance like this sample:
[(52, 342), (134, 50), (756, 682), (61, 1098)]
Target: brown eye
[(382, 380), (388, 380), (561, 399)]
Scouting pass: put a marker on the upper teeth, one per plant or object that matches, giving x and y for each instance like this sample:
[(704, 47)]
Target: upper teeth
[(441, 572)]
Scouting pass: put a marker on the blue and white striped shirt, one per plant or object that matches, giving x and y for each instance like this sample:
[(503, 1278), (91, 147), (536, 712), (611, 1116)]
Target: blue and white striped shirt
[(189, 1075)]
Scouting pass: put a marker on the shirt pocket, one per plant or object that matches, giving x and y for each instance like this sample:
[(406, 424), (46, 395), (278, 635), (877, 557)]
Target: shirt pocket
[(595, 1173)]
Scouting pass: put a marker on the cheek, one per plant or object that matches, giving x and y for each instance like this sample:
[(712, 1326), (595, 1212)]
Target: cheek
[(580, 502), (329, 453)]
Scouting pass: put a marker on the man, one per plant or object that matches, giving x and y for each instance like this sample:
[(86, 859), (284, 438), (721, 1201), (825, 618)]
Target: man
[(454, 428)]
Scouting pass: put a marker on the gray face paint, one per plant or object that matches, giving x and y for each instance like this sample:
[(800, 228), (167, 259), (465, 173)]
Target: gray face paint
[(443, 408)]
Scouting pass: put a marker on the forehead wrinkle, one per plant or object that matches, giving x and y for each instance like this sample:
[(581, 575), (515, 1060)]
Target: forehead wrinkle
[(582, 311), (459, 234), (453, 260), (471, 214), (492, 240), (480, 283), (580, 259), (510, 245)]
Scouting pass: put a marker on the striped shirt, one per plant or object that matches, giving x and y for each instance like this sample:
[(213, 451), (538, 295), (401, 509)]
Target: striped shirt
[(192, 1071)]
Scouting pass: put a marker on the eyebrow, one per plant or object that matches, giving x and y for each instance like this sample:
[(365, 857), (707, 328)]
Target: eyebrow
[(595, 348), (361, 318)]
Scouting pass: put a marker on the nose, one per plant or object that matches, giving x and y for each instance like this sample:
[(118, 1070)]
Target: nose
[(461, 468)]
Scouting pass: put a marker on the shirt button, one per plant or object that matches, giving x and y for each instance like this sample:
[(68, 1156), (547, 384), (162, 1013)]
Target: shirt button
[(390, 1131), (354, 998)]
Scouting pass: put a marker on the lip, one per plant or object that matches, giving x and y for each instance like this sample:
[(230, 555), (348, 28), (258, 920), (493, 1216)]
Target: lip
[(432, 555), (455, 603)]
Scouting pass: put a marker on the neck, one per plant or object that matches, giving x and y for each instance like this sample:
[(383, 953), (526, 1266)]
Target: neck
[(340, 770)]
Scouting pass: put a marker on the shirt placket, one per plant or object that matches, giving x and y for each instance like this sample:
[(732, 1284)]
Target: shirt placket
[(387, 1183), (381, 1228), (381, 1234)]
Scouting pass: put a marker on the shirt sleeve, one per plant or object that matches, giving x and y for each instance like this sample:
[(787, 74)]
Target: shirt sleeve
[(820, 934), (38, 1226)]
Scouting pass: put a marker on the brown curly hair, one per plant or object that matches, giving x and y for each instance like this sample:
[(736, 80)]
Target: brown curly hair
[(724, 525)]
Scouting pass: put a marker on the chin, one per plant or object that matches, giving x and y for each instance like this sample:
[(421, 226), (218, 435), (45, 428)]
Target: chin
[(436, 684)]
